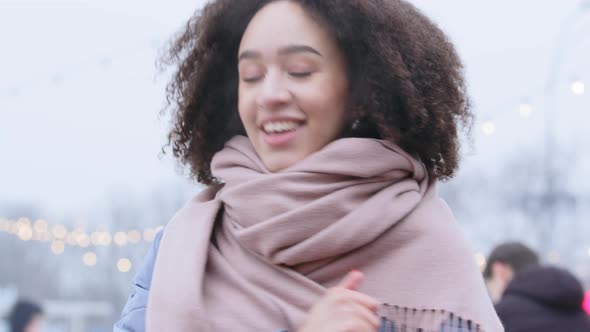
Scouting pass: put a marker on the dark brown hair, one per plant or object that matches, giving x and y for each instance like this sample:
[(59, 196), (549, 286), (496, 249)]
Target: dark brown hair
[(514, 254), (406, 80)]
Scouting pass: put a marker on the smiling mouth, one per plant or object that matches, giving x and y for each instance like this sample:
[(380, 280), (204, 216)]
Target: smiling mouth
[(280, 127)]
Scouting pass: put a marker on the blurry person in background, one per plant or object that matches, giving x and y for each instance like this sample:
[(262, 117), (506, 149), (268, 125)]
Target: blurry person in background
[(26, 316), (504, 262), (543, 298)]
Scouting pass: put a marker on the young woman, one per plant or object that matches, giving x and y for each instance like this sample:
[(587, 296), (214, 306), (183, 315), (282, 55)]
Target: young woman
[(321, 128)]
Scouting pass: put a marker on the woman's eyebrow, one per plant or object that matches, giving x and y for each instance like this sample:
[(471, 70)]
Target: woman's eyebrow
[(248, 54), (299, 49), (288, 50)]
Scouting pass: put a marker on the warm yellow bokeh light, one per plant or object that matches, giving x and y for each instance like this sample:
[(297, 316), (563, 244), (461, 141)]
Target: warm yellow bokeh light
[(124, 265), (149, 234), (83, 240), (106, 239), (25, 232), (134, 236), (525, 110), (95, 238), (40, 226), (578, 87), (59, 232), (57, 247), (120, 239), (89, 258), (488, 128)]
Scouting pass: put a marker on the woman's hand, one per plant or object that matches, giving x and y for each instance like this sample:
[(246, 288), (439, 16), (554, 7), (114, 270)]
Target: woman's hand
[(343, 309)]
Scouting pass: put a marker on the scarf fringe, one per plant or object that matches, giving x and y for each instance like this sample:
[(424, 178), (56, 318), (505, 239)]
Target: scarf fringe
[(403, 319)]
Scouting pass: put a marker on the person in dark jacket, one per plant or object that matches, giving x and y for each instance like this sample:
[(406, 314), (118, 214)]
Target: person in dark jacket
[(504, 262), (543, 299)]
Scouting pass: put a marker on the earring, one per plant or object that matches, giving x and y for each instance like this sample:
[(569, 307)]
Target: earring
[(355, 124)]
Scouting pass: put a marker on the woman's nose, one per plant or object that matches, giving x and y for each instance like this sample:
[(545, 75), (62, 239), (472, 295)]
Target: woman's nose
[(274, 92)]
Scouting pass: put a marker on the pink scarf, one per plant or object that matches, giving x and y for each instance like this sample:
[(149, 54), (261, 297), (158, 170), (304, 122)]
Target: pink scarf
[(256, 253)]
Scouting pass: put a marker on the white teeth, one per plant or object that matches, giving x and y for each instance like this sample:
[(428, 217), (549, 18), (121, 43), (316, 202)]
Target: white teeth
[(275, 127)]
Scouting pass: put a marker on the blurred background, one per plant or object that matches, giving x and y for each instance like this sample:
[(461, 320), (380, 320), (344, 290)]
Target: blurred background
[(84, 185)]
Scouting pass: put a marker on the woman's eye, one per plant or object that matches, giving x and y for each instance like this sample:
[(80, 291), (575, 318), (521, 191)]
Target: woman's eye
[(300, 74), (251, 79)]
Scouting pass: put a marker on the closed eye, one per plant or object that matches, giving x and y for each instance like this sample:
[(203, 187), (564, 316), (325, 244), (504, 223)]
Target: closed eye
[(300, 74), (251, 79)]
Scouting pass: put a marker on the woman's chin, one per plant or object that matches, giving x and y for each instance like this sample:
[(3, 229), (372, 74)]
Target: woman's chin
[(279, 162)]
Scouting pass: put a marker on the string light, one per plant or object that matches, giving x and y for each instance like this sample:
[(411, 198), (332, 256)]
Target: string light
[(578, 87), (40, 226), (124, 265), (120, 239), (488, 128), (58, 234), (83, 240), (525, 110), (106, 239), (134, 236), (57, 247), (95, 238), (25, 233), (89, 258), (149, 235)]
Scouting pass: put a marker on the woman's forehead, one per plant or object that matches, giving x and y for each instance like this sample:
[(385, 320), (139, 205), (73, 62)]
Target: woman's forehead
[(280, 25)]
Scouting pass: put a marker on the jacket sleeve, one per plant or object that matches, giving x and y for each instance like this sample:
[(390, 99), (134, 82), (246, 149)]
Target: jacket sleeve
[(133, 315)]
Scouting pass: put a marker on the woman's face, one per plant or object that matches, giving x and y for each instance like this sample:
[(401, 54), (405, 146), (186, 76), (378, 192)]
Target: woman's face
[(293, 85)]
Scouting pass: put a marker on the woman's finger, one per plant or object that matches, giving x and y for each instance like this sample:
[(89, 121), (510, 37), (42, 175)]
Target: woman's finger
[(352, 280)]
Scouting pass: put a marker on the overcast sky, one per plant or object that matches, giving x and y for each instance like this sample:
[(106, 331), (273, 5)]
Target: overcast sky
[(79, 95)]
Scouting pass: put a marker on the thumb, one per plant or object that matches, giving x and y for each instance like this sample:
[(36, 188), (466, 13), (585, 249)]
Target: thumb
[(352, 280)]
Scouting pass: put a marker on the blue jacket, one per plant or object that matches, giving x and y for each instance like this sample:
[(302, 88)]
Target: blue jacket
[(133, 316), (134, 313)]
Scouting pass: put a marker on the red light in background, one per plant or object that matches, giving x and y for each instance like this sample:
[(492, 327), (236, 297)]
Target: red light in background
[(586, 304)]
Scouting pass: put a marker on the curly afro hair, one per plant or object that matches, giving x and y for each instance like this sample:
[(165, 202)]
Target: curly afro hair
[(406, 79)]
